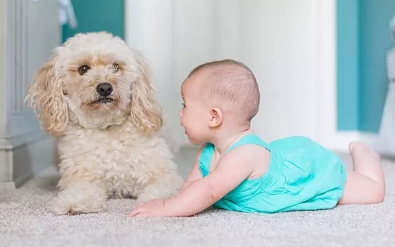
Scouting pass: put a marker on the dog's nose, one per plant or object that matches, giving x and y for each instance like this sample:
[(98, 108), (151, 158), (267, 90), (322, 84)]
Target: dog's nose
[(104, 89)]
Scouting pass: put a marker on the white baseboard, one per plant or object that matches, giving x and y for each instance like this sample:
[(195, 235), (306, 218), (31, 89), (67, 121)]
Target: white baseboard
[(370, 139), (22, 156), (379, 143), (339, 141), (7, 187)]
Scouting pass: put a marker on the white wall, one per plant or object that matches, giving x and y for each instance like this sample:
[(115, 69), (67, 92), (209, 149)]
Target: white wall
[(149, 28), (290, 45), (29, 31), (278, 42)]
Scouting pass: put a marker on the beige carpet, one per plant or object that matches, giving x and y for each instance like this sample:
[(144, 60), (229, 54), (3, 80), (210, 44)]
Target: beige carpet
[(24, 222)]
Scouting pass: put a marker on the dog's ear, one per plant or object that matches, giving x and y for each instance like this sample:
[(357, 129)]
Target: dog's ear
[(145, 110), (45, 94)]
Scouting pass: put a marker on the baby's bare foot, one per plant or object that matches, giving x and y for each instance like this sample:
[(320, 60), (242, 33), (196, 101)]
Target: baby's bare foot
[(365, 183), (357, 148)]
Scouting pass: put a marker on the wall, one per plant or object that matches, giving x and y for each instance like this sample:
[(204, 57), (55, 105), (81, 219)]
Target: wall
[(97, 15), (363, 40), (322, 66), (4, 169), (348, 56), (149, 29), (176, 36), (29, 31), (293, 59), (375, 42), (284, 59)]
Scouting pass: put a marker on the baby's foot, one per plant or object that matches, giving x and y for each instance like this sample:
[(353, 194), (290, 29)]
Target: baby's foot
[(358, 148)]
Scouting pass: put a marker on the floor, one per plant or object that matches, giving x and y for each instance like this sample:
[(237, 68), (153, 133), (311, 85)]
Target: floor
[(24, 222)]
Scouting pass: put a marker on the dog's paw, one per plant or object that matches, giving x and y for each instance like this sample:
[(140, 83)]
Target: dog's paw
[(79, 198), (62, 206)]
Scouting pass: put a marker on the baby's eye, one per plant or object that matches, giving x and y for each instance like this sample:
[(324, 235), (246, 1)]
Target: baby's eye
[(183, 105)]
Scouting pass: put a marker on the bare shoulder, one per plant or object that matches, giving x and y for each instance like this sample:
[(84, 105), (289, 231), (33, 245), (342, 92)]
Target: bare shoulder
[(251, 156), (249, 151)]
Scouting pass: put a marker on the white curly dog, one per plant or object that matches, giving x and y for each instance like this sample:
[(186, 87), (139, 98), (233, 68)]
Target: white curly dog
[(95, 94)]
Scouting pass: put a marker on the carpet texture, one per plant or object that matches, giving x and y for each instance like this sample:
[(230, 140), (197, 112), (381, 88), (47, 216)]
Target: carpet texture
[(25, 222)]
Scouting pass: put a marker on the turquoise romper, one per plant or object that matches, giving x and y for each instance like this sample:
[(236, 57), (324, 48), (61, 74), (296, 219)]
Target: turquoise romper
[(302, 175)]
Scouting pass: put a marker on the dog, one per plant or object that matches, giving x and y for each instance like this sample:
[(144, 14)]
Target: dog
[(95, 95)]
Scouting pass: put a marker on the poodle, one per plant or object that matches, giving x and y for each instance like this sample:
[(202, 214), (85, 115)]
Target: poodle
[(95, 95)]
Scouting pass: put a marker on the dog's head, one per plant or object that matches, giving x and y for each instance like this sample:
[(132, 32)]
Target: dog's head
[(94, 80)]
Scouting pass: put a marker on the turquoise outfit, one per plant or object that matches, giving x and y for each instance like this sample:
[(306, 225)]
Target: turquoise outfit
[(302, 175)]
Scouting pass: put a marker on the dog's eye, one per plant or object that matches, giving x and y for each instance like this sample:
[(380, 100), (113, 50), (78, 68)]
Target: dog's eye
[(115, 66), (83, 69)]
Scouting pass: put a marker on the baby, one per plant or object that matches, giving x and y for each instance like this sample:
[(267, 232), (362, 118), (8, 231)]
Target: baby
[(236, 170)]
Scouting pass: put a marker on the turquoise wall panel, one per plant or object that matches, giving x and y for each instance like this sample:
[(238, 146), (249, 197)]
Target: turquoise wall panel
[(375, 41), (347, 65), (97, 15), (363, 40)]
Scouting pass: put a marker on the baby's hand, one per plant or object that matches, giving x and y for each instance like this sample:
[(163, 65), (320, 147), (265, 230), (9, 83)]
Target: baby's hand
[(153, 208)]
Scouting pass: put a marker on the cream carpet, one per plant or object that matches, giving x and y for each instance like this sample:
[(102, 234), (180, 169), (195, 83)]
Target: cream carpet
[(24, 222)]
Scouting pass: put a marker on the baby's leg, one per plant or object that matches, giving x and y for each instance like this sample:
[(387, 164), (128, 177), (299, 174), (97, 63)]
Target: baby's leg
[(365, 183)]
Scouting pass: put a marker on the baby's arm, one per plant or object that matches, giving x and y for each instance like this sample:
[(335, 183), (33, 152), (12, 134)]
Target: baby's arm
[(234, 168), (195, 172)]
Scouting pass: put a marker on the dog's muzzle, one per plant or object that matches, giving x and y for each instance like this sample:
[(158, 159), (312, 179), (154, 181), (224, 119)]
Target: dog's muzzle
[(105, 100)]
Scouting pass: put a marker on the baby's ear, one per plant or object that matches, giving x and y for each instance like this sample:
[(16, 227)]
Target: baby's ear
[(45, 94), (216, 117)]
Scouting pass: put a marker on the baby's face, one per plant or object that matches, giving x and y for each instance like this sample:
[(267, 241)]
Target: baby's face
[(194, 113)]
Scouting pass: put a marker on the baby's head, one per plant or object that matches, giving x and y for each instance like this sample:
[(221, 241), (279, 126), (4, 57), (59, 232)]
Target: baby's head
[(219, 96)]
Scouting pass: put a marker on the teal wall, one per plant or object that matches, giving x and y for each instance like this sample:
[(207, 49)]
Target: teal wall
[(347, 65), (97, 15), (363, 40)]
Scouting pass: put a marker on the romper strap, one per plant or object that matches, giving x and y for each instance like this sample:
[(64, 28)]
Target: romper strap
[(249, 139), (205, 159)]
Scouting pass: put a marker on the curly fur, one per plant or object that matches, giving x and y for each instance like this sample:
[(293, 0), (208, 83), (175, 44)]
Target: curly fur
[(112, 149)]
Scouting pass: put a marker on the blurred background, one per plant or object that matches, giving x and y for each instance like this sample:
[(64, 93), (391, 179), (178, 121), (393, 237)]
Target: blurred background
[(323, 66)]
